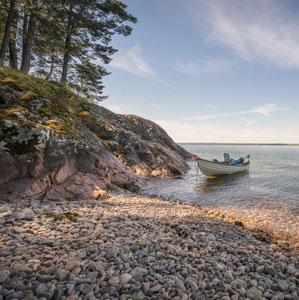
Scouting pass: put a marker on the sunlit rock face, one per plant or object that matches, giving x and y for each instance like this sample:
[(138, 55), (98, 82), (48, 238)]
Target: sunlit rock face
[(47, 151), (140, 144)]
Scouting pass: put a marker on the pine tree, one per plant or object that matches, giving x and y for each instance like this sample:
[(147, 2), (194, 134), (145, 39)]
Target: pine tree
[(69, 39), (89, 29), (6, 35)]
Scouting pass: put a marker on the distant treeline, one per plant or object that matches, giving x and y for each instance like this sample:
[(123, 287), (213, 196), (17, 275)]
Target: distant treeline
[(66, 41)]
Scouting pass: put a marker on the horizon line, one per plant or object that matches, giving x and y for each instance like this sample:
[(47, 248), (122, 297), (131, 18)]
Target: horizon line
[(253, 144)]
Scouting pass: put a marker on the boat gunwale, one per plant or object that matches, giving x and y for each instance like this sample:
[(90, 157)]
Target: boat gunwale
[(223, 163)]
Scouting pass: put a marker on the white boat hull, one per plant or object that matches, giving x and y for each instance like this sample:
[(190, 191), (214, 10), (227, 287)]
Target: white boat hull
[(210, 168)]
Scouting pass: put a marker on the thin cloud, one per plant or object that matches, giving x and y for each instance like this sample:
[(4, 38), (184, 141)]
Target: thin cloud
[(203, 66), (255, 30), (265, 110), (132, 62), (247, 122), (209, 105)]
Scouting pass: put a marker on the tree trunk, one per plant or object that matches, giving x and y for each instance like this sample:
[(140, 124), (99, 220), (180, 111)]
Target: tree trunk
[(67, 45), (5, 40), (51, 69), (13, 55), (25, 66), (25, 28)]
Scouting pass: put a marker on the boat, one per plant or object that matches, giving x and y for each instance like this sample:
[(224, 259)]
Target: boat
[(226, 167)]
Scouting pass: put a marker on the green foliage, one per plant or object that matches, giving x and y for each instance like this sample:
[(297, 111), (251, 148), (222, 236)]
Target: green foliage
[(89, 29), (68, 41)]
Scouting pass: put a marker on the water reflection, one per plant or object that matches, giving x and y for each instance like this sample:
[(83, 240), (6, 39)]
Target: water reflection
[(209, 184)]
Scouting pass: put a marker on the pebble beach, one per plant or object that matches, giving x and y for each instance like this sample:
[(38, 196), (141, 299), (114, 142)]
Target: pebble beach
[(137, 247)]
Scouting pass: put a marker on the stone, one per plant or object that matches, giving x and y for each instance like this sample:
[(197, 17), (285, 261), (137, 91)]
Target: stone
[(92, 275), (19, 230), (291, 270), (17, 295), (71, 265), (45, 278), (202, 285), (21, 268), (228, 275), (30, 297), (113, 281), (282, 285), (29, 214), (139, 296), (211, 237), (19, 215), (254, 294), (125, 278), (270, 270), (194, 286), (138, 272), (4, 275), (81, 253), (260, 269), (155, 288), (180, 285), (4, 208), (62, 274), (42, 291)]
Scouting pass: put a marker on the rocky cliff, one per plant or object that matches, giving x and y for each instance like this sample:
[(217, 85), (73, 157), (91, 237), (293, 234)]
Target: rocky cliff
[(58, 147)]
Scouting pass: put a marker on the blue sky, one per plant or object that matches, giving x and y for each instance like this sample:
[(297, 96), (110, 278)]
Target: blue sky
[(211, 70)]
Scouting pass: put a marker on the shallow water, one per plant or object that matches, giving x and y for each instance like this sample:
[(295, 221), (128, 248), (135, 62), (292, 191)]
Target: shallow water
[(266, 197)]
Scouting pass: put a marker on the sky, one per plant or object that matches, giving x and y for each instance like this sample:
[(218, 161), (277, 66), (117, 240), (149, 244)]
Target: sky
[(224, 71)]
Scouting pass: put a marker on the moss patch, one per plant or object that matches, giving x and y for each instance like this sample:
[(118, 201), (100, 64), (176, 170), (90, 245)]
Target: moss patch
[(30, 95), (65, 105), (72, 216), (51, 215)]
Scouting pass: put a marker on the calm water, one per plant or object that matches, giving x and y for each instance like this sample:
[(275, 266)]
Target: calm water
[(266, 197)]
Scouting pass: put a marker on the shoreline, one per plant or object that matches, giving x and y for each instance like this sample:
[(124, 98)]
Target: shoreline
[(137, 247), (245, 222)]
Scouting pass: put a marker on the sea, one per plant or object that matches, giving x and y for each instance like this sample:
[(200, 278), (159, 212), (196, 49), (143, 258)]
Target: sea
[(264, 198)]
